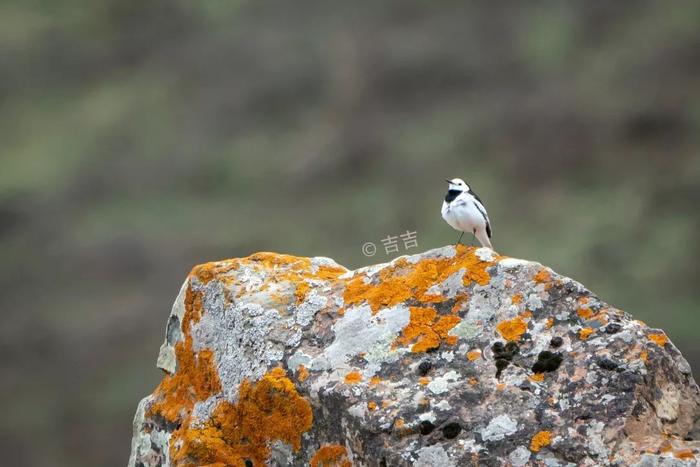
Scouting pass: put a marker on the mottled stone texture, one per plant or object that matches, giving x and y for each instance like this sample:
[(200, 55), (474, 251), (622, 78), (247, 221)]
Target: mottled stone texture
[(457, 356)]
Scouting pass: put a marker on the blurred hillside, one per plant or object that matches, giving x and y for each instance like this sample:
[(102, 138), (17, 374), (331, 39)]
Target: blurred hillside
[(143, 137)]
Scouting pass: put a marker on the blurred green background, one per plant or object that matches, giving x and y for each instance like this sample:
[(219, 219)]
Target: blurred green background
[(142, 137)]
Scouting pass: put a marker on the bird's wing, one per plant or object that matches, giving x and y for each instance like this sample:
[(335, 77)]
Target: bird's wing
[(482, 209), (473, 193)]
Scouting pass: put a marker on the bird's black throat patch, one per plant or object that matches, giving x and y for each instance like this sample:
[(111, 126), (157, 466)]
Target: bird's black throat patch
[(451, 195)]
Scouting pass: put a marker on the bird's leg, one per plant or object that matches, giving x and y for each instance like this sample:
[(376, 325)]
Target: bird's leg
[(460, 239), (473, 237)]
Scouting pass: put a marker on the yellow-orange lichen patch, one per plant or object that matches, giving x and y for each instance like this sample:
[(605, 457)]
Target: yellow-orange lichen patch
[(268, 410), (460, 301), (517, 299), (549, 323), (685, 454), (193, 308), (512, 329), (644, 355), (195, 378), (473, 355), (500, 386), (473, 381), (277, 267), (372, 406), (403, 280), (540, 440), (427, 330), (208, 271), (423, 380), (659, 339), (538, 377), (543, 276), (301, 291), (302, 373), (331, 455), (353, 377), (584, 333), (399, 423), (666, 446), (374, 380), (585, 313)]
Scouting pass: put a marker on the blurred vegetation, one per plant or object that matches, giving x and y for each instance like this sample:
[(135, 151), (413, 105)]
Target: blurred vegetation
[(143, 137)]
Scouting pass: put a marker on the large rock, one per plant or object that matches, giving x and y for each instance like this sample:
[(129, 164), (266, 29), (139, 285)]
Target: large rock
[(453, 357)]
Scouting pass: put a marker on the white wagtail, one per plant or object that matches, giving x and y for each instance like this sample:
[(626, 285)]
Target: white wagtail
[(464, 211)]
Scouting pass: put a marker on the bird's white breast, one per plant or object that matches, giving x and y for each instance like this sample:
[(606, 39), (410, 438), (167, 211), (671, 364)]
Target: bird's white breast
[(462, 214)]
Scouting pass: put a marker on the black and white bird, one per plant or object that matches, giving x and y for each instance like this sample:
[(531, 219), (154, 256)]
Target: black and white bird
[(464, 211)]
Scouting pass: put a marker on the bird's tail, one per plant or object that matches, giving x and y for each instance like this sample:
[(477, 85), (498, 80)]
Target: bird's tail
[(483, 238)]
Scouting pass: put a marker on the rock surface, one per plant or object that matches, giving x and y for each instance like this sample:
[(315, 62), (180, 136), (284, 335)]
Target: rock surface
[(457, 356)]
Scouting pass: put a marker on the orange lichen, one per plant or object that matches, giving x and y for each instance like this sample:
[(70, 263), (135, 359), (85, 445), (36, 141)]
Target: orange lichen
[(517, 299), (473, 355), (686, 454), (208, 271), (666, 446), (427, 330), (302, 373), (423, 381), (644, 355), (540, 440), (525, 314), (399, 423), (353, 377), (543, 276), (372, 406), (331, 455), (473, 381), (538, 377), (512, 329), (500, 386), (195, 378), (659, 339), (268, 410), (374, 380), (584, 333), (549, 323), (460, 301), (301, 291), (277, 267), (402, 280), (585, 313)]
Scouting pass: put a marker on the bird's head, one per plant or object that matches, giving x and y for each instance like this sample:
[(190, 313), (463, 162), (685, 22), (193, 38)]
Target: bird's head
[(457, 184)]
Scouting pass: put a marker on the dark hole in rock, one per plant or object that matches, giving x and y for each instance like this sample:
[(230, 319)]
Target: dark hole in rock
[(504, 355), (613, 328), (426, 427), (607, 364), (424, 367), (172, 330), (556, 341), (547, 361), (451, 430), (248, 463), (382, 463), (505, 351)]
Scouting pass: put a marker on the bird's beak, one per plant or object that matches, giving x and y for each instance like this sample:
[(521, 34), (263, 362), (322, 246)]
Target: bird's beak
[(448, 180)]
